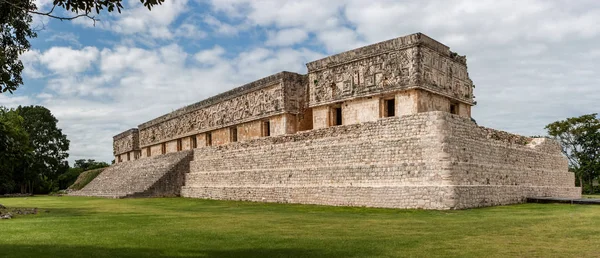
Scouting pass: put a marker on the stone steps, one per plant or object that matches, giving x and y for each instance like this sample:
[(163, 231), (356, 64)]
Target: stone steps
[(161, 175)]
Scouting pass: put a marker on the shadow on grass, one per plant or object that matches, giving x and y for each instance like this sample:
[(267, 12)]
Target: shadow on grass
[(18, 250)]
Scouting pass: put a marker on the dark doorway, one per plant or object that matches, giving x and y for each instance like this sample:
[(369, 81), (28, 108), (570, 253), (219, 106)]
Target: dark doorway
[(454, 109), (337, 116), (234, 135), (266, 128), (208, 139), (389, 108), (193, 142)]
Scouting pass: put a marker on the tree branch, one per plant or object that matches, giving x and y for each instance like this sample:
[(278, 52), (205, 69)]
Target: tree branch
[(49, 13)]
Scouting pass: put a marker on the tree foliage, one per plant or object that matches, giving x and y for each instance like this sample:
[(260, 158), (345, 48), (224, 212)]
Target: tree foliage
[(33, 152), (14, 148), (89, 164), (15, 29), (579, 138), (50, 146)]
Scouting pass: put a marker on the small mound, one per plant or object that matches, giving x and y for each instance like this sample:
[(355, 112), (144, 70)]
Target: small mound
[(85, 178)]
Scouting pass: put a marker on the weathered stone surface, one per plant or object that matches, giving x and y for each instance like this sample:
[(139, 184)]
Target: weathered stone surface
[(413, 61), (126, 141), (158, 176), (432, 160), (276, 94)]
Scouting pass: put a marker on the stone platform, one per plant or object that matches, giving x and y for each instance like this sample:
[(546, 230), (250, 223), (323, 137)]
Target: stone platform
[(432, 160), (160, 176)]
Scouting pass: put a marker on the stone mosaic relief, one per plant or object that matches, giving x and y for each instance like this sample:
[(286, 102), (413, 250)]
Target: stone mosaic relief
[(443, 74), (124, 144), (295, 96), (254, 104), (392, 70), (369, 75)]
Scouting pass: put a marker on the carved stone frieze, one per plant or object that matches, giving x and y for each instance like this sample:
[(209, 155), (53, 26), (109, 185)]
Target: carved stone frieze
[(417, 66), (232, 111), (126, 142), (362, 77), (444, 74)]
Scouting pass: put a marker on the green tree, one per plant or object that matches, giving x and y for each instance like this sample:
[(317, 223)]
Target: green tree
[(50, 146), (15, 29), (89, 164), (14, 148), (579, 138)]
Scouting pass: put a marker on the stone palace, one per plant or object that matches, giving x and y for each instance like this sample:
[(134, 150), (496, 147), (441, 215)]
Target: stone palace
[(385, 125)]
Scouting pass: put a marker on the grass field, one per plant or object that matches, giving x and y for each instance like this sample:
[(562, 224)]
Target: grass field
[(179, 227)]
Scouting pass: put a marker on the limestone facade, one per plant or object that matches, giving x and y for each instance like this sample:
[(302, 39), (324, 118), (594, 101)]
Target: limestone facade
[(386, 125), (432, 160), (126, 145)]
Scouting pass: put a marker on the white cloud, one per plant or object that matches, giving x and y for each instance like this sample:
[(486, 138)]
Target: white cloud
[(210, 56), (68, 37), (31, 61), (12, 101), (286, 37), (65, 60), (155, 22), (220, 27), (190, 31), (135, 19)]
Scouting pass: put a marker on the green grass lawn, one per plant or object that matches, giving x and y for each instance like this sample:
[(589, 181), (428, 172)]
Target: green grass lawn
[(179, 227)]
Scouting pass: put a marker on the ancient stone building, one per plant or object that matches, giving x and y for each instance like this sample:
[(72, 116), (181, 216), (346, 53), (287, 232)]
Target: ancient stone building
[(386, 125)]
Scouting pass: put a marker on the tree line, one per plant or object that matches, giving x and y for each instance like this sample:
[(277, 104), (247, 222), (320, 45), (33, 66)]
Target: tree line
[(34, 152), (579, 138)]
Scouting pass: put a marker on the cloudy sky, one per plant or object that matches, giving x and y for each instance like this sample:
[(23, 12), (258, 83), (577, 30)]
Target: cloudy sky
[(533, 62)]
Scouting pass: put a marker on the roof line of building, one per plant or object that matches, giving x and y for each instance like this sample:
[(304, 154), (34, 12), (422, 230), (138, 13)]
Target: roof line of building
[(235, 92)]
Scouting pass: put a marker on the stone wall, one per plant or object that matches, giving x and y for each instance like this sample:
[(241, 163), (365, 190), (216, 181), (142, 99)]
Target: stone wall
[(159, 176), (277, 94), (370, 164), (413, 61), (126, 142), (491, 167), (399, 162)]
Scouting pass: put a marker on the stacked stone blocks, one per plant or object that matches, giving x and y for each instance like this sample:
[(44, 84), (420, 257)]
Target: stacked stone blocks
[(431, 160), (160, 176)]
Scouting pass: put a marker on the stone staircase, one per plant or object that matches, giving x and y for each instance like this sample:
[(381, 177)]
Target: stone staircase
[(159, 176)]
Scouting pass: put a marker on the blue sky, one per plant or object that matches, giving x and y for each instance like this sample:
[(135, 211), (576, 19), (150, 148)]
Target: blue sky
[(533, 62)]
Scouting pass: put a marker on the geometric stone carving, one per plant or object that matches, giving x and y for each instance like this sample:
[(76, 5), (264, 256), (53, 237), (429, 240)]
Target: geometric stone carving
[(413, 61), (252, 101), (126, 141)]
